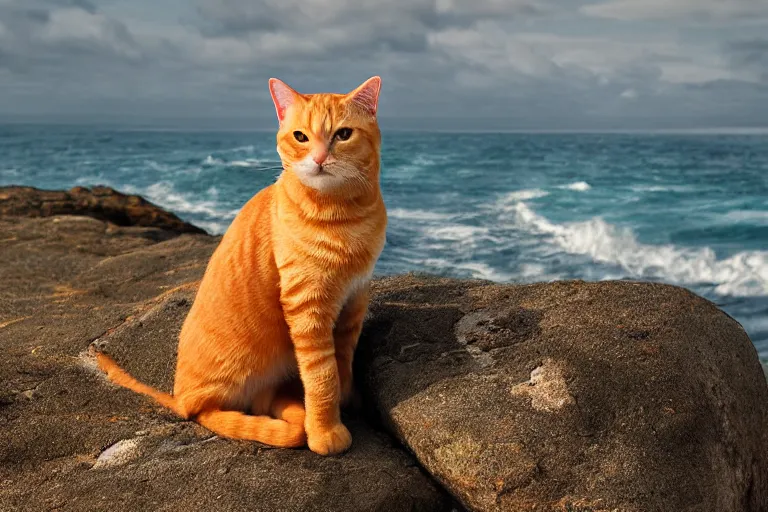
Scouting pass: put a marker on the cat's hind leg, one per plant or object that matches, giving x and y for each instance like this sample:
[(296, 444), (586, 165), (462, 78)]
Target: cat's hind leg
[(227, 419), (262, 399), (238, 425), (288, 403)]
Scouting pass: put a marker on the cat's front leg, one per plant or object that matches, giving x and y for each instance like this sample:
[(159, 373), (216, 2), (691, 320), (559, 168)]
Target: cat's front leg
[(346, 335), (310, 317)]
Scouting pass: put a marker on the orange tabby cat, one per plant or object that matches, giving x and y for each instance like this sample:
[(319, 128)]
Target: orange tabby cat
[(286, 291)]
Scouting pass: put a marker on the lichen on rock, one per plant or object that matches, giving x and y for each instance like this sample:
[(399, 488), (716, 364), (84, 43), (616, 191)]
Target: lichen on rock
[(546, 388)]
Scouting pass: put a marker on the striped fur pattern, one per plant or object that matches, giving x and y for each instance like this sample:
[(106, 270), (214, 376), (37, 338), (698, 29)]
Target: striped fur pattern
[(266, 351)]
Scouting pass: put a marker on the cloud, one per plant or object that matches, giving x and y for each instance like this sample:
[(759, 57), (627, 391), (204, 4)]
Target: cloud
[(629, 94), (686, 10), (750, 55), (359, 27), (39, 31), (445, 63), (237, 16)]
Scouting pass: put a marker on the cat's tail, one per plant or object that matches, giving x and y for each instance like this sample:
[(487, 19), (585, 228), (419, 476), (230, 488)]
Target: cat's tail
[(123, 378), (232, 424), (238, 425)]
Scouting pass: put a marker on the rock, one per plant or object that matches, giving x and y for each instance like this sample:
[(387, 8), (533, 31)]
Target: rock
[(570, 396), (563, 396), (69, 440), (102, 203)]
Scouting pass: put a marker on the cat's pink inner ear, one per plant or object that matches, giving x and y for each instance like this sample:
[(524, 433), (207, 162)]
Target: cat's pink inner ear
[(282, 95), (367, 95)]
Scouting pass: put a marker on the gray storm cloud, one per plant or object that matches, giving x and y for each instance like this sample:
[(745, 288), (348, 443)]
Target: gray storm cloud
[(474, 64)]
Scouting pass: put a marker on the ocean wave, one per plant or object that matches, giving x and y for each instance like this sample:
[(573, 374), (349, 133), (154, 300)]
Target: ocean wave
[(99, 179), (211, 161), (524, 195), (432, 159), (213, 227), (473, 269), (423, 161), (744, 274), (757, 324), (157, 166), (458, 232), (579, 186), (660, 188), (163, 194), (417, 215), (241, 149), (758, 217), (248, 162)]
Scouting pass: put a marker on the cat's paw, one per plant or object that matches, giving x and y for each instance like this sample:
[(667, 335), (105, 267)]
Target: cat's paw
[(330, 441)]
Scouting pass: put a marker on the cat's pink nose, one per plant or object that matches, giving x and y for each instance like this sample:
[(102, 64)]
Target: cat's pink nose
[(320, 156)]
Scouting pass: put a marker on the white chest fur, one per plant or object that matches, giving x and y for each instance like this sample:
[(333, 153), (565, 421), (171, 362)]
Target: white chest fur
[(356, 284)]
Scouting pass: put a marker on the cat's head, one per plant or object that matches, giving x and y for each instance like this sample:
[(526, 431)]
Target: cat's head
[(330, 141)]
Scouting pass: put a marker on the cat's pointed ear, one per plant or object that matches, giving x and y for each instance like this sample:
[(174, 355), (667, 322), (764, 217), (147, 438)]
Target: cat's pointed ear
[(367, 95), (282, 95)]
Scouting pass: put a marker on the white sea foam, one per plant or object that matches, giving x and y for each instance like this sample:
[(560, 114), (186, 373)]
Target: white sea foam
[(417, 215), (242, 149), (458, 232), (214, 228), (98, 179), (474, 269), (248, 162), (579, 186), (210, 160), (744, 274), (524, 195), (423, 160), (157, 166), (660, 188), (750, 216), (163, 194)]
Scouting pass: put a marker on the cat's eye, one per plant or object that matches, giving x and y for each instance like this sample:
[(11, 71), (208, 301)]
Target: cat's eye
[(343, 134), (299, 136)]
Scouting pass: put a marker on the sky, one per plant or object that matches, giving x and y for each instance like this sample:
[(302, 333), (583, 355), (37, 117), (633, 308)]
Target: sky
[(445, 64)]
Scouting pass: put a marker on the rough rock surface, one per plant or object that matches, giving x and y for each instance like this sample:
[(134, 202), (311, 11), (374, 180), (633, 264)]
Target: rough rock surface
[(566, 396), (101, 203), (570, 396), (71, 441)]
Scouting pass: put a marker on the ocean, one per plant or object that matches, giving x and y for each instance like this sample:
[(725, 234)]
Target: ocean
[(685, 209)]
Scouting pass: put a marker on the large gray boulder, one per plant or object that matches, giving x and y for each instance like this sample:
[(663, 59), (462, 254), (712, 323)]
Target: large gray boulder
[(570, 396)]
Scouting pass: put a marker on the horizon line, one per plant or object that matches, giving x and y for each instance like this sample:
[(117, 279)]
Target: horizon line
[(128, 127)]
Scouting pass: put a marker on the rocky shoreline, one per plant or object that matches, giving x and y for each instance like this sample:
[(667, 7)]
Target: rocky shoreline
[(566, 396)]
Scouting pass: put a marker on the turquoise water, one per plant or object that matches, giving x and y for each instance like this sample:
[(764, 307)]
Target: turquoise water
[(690, 210)]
